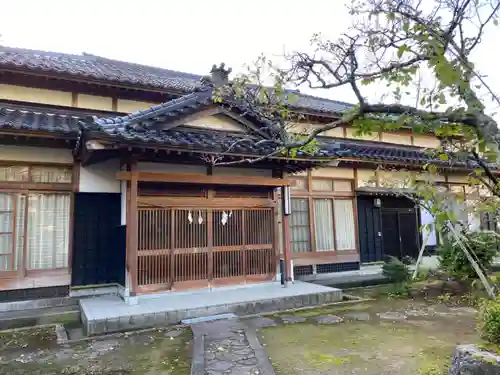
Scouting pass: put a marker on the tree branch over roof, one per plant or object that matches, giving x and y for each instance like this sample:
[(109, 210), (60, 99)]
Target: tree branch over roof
[(391, 42)]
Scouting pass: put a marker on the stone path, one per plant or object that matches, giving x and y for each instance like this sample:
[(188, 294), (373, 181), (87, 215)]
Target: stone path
[(228, 347)]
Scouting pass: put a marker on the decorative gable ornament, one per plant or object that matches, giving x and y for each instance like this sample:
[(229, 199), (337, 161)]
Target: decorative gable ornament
[(219, 76)]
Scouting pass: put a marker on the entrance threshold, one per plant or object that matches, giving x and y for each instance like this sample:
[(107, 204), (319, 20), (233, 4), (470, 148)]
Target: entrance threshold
[(108, 314)]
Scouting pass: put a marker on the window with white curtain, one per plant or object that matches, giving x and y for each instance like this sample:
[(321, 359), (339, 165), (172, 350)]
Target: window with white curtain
[(48, 231), (299, 225), (34, 226), (323, 225), (344, 224), (332, 215)]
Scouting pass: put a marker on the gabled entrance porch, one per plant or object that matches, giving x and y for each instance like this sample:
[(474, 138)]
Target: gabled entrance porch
[(190, 231)]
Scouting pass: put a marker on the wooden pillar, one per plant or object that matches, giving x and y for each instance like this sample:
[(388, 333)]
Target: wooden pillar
[(132, 227), (287, 254)]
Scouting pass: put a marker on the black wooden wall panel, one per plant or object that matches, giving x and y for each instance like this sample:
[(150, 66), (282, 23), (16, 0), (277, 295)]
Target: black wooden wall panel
[(370, 223), (98, 240)]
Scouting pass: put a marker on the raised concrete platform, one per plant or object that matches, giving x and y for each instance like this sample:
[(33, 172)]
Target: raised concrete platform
[(107, 314)]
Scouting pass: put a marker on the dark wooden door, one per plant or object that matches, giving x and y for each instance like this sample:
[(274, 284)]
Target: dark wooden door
[(390, 233), (408, 229), (400, 232)]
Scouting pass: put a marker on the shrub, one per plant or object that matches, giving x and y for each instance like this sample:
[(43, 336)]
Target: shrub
[(408, 260), (453, 260), (396, 271), (489, 321)]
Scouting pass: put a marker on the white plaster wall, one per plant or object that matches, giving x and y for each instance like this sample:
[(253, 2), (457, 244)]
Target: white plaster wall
[(35, 154), (100, 178), (426, 218), (173, 168)]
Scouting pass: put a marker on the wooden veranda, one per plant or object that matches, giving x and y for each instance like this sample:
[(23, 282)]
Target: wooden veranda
[(189, 231)]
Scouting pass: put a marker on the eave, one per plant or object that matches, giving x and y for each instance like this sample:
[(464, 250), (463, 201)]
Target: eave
[(109, 146)]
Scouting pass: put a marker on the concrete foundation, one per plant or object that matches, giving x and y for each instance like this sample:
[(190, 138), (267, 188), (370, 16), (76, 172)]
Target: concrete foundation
[(108, 314)]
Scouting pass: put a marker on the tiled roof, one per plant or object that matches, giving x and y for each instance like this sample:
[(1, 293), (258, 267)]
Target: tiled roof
[(220, 141), (166, 112), (16, 119), (160, 113), (371, 151), (125, 129), (100, 68), (378, 152)]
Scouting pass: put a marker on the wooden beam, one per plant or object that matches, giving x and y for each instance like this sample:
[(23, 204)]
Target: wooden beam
[(234, 203), (205, 180), (74, 99), (114, 104)]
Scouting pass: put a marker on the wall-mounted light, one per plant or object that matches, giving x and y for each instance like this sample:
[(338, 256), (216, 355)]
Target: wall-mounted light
[(287, 201), (377, 202), (333, 163), (94, 145)]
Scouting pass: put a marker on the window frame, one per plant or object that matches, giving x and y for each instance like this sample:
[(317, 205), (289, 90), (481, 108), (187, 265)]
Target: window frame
[(30, 186), (310, 195)]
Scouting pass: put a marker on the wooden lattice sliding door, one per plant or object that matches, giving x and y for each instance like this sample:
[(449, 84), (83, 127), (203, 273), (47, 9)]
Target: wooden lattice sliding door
[(181, 248)]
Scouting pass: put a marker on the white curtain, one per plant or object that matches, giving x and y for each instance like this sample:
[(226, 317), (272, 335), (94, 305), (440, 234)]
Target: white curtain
[(299, 225), (48, 231), (20, 216), (6, 217), (323, 224), (344, 224)]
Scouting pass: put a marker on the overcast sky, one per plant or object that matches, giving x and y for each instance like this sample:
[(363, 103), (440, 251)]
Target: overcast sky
[(188, 35)]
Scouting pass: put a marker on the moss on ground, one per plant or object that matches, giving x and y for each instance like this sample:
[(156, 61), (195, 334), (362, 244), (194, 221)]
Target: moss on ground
[(422, 344), (28, 339), (325, 310), (150, 352)]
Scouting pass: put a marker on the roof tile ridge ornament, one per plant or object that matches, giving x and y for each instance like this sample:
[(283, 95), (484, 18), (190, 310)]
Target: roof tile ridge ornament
[(219, 76)]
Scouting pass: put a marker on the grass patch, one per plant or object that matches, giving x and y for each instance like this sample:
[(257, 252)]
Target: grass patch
[(422, 345)]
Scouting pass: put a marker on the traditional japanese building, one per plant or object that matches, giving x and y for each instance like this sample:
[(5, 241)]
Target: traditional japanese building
[(106, 178)]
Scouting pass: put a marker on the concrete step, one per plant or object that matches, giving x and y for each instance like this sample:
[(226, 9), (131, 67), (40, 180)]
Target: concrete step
[(52, 315), (111, 314)]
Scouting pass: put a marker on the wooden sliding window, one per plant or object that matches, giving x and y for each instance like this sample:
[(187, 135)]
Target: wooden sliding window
[(299, 225), (35, 176), (323, 215), (35, 216)]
